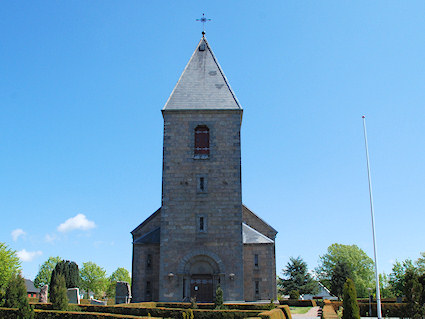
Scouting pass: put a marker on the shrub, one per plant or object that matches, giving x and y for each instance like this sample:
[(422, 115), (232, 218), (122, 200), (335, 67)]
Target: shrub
[(272, 314), (286, 311), (58, 295), (187, 314), (16, 297), (351, 308), (218, 298), (294, 294)]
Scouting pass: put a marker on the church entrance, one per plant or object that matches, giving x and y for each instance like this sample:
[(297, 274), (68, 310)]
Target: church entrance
[(201, 288)]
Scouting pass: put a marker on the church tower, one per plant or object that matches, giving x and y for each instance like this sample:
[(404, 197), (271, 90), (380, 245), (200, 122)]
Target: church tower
[(203, 236), (201, 214)]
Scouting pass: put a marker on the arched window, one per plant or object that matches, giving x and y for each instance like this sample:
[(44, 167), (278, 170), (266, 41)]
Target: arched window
[(202, 142)]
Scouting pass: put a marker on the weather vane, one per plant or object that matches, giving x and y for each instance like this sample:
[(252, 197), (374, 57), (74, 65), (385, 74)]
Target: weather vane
[(203, 20)]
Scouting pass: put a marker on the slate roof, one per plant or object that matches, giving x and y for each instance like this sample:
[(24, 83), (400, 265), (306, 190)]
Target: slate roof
[(251, 236), (30, 286), (202, 85), (153, 237)]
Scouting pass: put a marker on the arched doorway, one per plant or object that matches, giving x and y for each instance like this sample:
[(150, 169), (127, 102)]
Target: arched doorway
[(201, 275)]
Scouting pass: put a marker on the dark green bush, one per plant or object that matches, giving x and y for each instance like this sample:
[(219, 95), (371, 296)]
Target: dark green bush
[(294, 294), (58, 294), (218, 298), (351, 308)]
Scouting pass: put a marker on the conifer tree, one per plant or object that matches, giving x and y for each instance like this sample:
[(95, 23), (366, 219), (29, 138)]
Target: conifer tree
[(349, 302), (69, 270), (58, 292), (218, 298), (16, 297), (414, 292)]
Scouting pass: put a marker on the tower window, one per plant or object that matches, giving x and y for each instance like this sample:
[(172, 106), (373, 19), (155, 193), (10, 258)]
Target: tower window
[(201, 186), (149, 261), (201, 223), (257, 288), (202, 142), (256, 260)]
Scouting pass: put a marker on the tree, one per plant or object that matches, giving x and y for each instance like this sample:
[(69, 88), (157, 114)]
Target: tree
[(69, 270), (58, 292), (359, 264), (420, 263), (121, 274), (218, 298), (45, 271), (340, 273), (297, 278), (9, 264), (414, 294), (93, 278), (16, 297), (385, 286), (349, 301), (397, 278)]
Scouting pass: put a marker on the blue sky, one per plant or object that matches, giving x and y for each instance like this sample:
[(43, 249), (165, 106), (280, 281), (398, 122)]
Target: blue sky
[(82, 84)]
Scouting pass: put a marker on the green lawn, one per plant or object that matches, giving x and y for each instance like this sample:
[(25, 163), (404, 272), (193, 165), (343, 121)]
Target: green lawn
[(299, 310)]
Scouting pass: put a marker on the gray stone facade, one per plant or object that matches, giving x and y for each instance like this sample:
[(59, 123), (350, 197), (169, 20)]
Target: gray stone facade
[(202, 236)]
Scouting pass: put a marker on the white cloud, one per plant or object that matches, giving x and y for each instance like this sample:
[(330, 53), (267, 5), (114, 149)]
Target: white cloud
[(25, 255), (50, 238), (16, 233), (78, 222)]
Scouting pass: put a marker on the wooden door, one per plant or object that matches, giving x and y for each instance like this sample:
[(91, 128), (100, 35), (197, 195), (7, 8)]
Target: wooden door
[(201, 287)]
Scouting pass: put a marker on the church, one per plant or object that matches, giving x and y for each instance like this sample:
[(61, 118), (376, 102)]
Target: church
[(203, 236)]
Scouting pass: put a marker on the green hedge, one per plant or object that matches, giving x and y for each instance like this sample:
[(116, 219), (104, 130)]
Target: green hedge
[(286, 311), (298, 303), (272, 314), (388, 309), (9, 313), (168, 312), (186, 305)]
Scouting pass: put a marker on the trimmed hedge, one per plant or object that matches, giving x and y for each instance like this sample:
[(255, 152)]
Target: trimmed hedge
[(168, 312), (211, 306), (272, 314), (328, 312), (298, 303), (9, 313), (286, 311), (388, 309)]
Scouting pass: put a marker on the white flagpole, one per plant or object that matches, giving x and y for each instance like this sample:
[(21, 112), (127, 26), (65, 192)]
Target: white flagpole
[(378, 294)]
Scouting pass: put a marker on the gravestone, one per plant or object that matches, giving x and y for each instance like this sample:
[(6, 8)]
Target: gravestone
[(73, 295), (122, 292), (43, 294), (98, 302)]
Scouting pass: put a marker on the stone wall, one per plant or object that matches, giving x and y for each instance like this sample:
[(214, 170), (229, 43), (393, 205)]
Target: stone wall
[(264, 273), (142, 273), (220, 205)]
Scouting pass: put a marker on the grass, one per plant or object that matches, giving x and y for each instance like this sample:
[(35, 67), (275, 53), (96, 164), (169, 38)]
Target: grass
[(299, 310)]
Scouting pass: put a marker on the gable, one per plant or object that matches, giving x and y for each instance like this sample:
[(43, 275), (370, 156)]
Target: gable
[(255, 222), (148, 225)]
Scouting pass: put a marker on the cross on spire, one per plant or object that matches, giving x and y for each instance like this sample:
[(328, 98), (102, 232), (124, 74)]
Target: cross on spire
[(203, 20)]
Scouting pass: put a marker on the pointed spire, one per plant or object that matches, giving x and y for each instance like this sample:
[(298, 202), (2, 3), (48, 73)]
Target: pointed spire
[(202, 85)]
